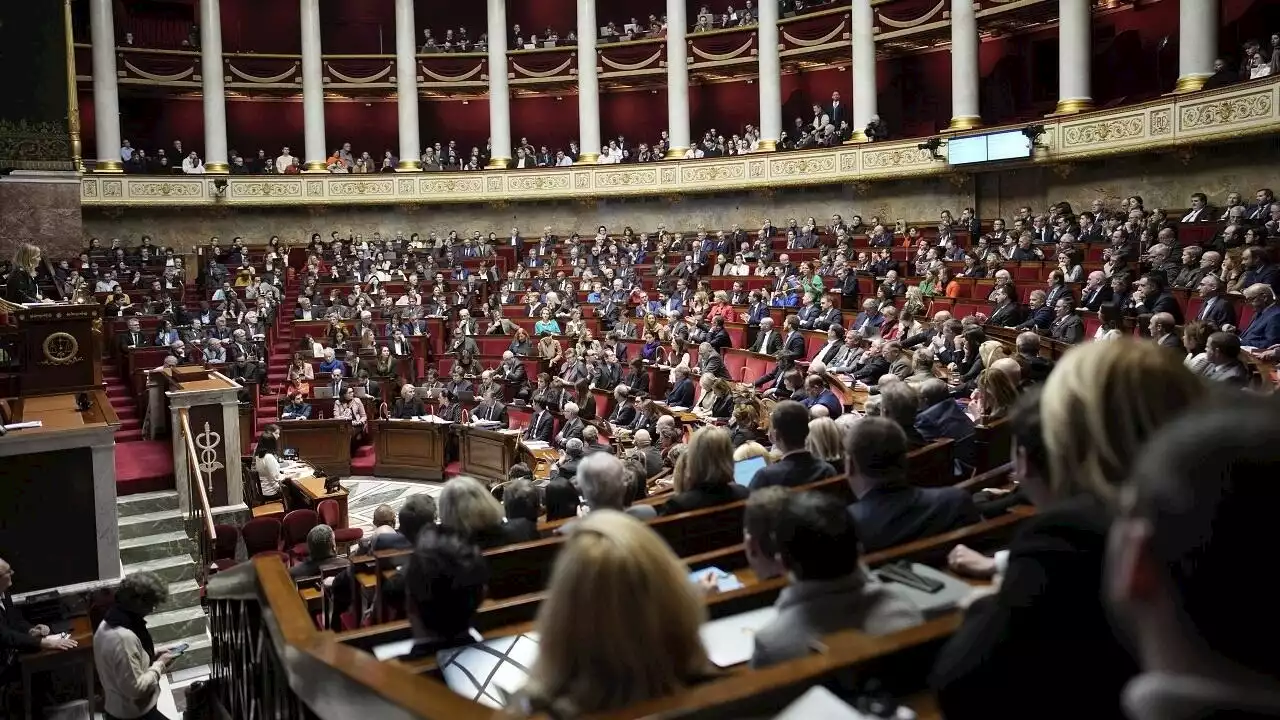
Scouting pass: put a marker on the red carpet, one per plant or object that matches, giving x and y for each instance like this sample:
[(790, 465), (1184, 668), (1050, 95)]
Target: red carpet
[(363, 461), (143, 466)]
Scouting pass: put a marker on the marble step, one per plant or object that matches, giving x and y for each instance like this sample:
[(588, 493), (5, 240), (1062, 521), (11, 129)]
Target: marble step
[(199, 654), (162, 521), (147, 502), (171, 626), (156, 546), (182, 594), (170, 569)]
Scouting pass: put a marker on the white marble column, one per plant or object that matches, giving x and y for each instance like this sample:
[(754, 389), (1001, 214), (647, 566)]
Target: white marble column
[(407, 88), (1197, 43), (312, 89), (106, 91), (588, 84), (1075, 52), (499, 89), (770, 80), (215, 95), (864, 67), (677, 78), (964, 66)]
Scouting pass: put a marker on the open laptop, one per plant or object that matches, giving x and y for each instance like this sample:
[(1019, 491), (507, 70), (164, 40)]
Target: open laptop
[(745, 469)]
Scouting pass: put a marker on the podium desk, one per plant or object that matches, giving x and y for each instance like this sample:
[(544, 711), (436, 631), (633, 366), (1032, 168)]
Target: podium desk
[(488, 455), (326, 444), (410, 448), (311, 490)]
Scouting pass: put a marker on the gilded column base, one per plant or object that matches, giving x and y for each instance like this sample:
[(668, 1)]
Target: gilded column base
[(857, 137), (965, 122), (109, 166), (767, 145), (1073, 106), (498, 163), (588, 159), (315, 166), (1190, 83), (217, 169), (405, 166), (676, 153)]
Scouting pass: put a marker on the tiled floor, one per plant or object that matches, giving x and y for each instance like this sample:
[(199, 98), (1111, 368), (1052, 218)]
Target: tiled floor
[(366, 493)]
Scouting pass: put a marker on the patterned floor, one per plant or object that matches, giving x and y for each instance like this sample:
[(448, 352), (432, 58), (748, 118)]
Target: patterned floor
[(367, 493)]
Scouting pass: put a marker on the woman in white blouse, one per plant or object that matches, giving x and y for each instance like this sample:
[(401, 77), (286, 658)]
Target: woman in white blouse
[(266, 460)]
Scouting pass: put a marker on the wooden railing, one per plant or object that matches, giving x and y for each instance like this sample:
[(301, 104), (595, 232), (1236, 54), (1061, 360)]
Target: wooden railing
[(200, 525)]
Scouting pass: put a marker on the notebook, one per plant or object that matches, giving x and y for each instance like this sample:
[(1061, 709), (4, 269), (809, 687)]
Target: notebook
[(731, 641)]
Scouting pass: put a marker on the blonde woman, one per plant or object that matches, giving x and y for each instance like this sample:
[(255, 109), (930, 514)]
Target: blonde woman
[(706, 478), (825, 441), (993, 398), (749, 450), (640, 640), (467, 509), (1072, 450), (22, 286), (717, 397)]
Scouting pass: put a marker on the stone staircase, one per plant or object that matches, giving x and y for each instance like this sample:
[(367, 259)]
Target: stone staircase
[(153, 538)]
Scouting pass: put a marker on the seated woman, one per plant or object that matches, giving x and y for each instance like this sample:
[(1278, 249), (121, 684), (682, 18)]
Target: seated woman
[(469, 511), (654, 612), (704, 474), (351, 408), (1073, 446), (744, 425), (717, 397), (266, 461), (301, 374), (386, 366), (520, 344)]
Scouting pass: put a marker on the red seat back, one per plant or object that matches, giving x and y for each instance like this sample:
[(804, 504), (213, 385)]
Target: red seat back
[(261, 535), (328, 511), (297, 524), (225, 539)]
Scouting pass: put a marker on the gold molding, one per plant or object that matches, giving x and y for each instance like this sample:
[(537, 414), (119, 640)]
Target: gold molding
[(409, 166), (964, 122), (768, 145), (1174, 121), (73, 100), (1073, 106), (217, 169), (497, 163), (588, 158), (110, 167), (1190, 83), (675, 153), (315, 166)]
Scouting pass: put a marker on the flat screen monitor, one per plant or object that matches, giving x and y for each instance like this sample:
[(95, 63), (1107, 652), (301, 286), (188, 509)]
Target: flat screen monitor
[(991, 147)]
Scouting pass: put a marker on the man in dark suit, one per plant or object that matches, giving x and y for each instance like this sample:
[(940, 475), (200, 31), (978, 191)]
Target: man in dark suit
[(490, 408), (1006, 312), (828, 314), (709, 361), (1156, 298), (832, 349), (1164, 332), (768, 341), (541, 424), (889, 509), (1200, 210), (717, 336), (836, 112), (868, 322), (1216, 309), (819, 392), (1039, 315), (131, 338), (788, 429), (17, 636), (1095, 292), (681, 394), (792, 340)]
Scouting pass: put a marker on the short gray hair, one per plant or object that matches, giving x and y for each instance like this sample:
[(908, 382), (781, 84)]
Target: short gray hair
[(320, 543), (601, 478)]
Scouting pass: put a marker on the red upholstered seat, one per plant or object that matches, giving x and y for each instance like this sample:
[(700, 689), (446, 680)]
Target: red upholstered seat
[(328, 510), (296, 526), (261, 535)]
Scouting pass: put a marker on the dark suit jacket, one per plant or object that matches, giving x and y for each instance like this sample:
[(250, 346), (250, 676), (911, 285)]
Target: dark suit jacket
[(889, 516), (1032, 634), (1164, 302), (14, 637), (496, 412), (1094, 300), (411, 409), (795, 345), (1006, 316), (540, 427), (1219, 313), (771, 348), (719, 339), (1041, 318), (623, 415), (1069, 329), (704, 496), (714, 364), (793, 470), (681, 394)]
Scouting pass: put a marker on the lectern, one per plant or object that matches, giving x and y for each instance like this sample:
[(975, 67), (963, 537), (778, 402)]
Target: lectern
[(61, 347)]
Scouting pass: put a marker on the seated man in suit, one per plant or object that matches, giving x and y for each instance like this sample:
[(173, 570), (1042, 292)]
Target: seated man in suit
[(490, 408), (572, 426), (646, 453), (541, 424), (768, 341), (297, 407), (1164, 331), (817, 542), (1039, 315), (17, 636), (409, 405), (681, 394), (818, 392), (890, 510), (1216, 308), (624, 413), (710, 362), (322, 552), (788, 430), (591, 442), (1225, 366)]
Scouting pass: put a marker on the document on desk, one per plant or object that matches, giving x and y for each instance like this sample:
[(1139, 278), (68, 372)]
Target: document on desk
[(536, 444), (731, 641), (433, 419), (819, 702), (24, 425)]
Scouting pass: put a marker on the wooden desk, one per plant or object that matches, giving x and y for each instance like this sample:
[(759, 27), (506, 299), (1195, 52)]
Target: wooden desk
[(312, 491), (49, 660), (486, 454), (326, 444), (410, 448)]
